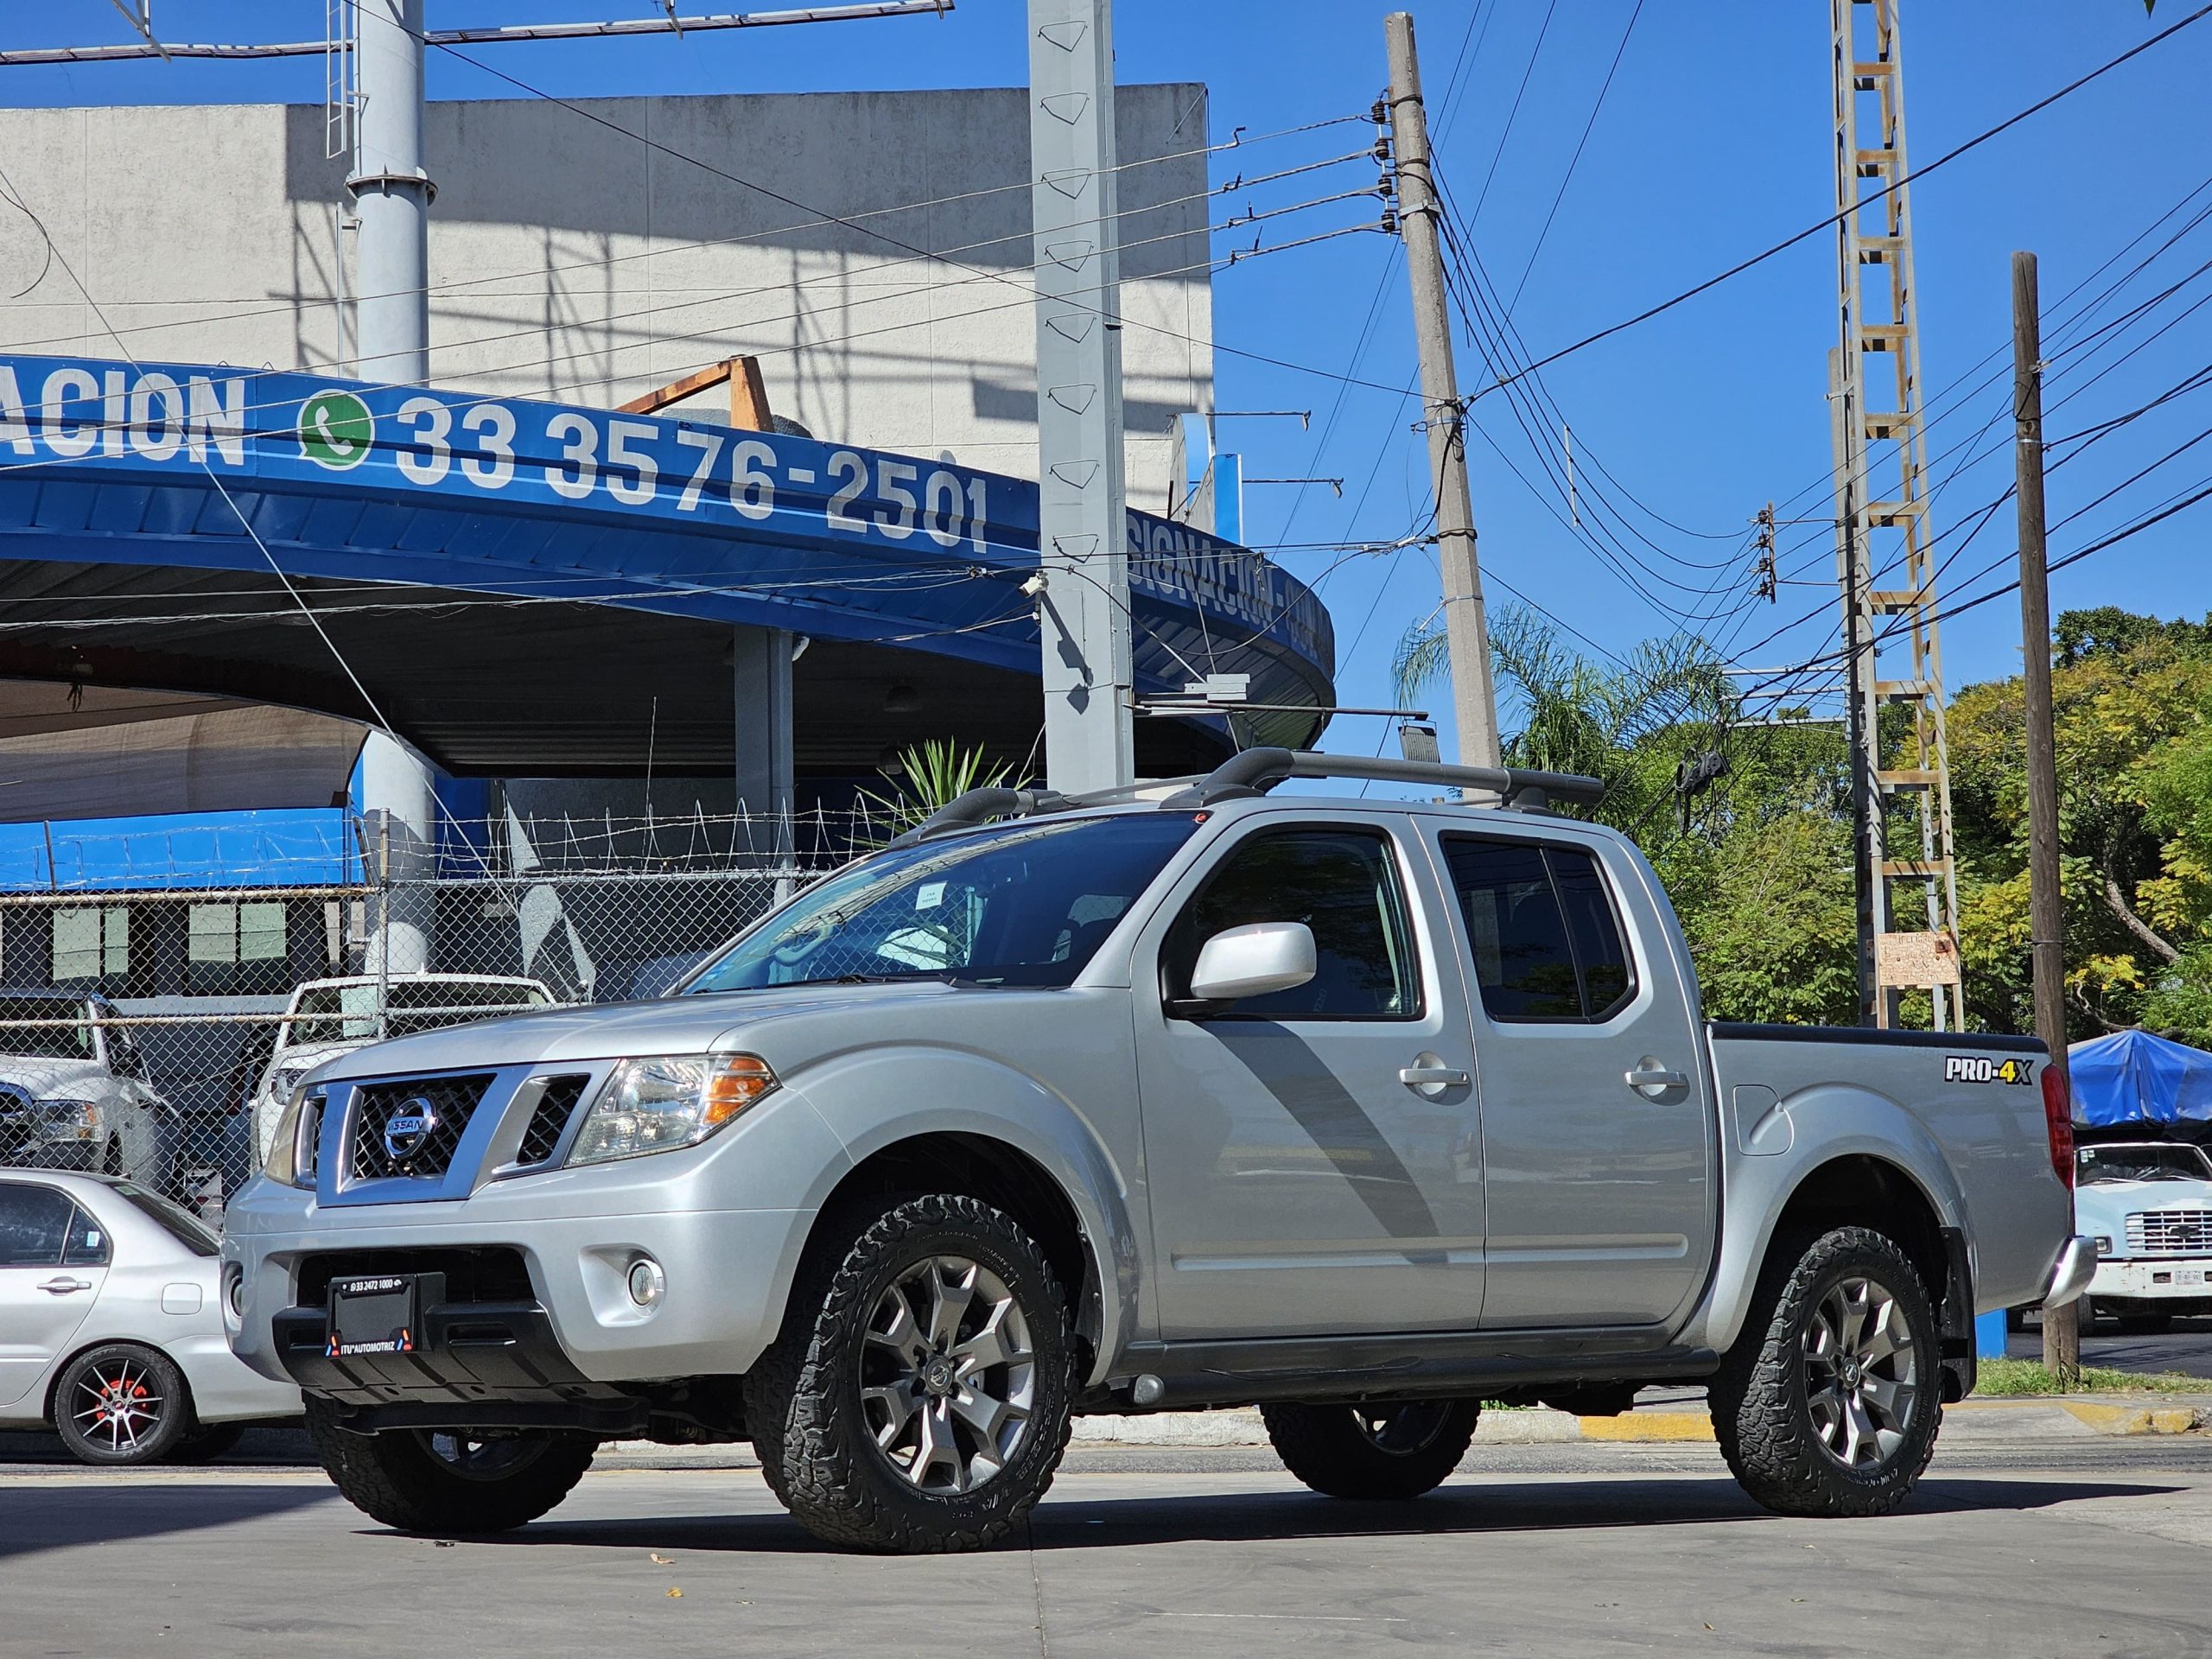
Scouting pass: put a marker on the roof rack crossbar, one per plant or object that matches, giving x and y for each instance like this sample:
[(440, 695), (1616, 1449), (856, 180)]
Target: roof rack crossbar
[(1254, 770)]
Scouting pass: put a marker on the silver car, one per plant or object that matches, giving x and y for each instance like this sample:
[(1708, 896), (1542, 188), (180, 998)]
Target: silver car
[(110, 1330)]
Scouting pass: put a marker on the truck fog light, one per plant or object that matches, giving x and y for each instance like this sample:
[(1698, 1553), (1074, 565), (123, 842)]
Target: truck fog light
[(234, 1293), (648, 1284), (2104, 1244)]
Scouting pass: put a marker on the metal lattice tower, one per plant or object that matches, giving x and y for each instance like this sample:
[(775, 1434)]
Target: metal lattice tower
[(1882, 531)]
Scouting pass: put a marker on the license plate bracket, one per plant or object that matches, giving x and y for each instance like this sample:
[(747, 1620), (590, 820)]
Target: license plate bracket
[(380, 1312)]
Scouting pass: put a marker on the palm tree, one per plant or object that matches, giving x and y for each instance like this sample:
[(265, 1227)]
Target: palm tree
[(927, 776), (1630, 724)]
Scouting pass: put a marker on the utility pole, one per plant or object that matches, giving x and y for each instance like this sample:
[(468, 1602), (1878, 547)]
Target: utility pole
[(1474, 703), (1082, 525), (2061, 1336), (391, 195)]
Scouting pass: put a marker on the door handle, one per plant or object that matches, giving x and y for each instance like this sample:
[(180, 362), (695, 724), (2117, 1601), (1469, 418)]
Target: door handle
[(1657, 1079), (65, 1286), (1433, 1077)]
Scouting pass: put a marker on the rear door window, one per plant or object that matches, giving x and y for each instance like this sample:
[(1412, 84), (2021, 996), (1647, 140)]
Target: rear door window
[(1543, 928), (35, 1224)]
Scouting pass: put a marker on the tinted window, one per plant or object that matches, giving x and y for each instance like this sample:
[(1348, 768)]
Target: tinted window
[(88, 1245), (1342, 884), (1028, 903), (1547, 944), (179, 1223), (35, 1225), (45, 1027)]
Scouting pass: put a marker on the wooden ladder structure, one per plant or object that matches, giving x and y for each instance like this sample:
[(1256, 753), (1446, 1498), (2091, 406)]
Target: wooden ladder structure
[(1881, 531)]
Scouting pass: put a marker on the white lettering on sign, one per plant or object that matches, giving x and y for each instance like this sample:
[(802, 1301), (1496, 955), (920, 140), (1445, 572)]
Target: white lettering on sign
[(426, 461), (63, 387), (493, 426), (15, 422), (215, 413)]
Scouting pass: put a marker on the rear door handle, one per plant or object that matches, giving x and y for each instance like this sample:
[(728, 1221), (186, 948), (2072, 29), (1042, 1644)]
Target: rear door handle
[(65, 1286), (1641, 1079)]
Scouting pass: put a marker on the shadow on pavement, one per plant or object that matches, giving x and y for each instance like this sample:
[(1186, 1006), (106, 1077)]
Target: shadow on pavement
[(37, 1515), (1072, 1522), (275, 1447)]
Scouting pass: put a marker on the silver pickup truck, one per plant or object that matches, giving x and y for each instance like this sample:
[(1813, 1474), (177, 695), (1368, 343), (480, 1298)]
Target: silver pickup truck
[(1363, 1112)]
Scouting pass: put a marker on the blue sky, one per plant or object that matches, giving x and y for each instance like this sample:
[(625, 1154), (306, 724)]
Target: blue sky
[(1712, 143)]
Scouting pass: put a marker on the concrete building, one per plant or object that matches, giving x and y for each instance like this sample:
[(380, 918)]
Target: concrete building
[(589, 257)]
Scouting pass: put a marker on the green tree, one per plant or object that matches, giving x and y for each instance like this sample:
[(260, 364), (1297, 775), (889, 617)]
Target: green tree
[(928, 776), (2132, 702)]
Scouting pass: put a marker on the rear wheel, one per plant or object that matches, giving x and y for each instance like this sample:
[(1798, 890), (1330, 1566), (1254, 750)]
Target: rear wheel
[(450, 1481), (121, 1405), (1829, 1401), (1378, 1449)]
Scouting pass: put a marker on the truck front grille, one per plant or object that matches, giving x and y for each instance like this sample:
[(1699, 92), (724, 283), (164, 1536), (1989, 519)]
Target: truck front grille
[(554, 1108), (385, 1142), (2170, 1232)]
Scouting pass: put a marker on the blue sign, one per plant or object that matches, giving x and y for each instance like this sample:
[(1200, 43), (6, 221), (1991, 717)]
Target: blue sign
[(896, 514)]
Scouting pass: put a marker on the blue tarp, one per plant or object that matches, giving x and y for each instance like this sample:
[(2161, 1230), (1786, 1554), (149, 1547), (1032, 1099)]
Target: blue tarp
[(2132, 1077)]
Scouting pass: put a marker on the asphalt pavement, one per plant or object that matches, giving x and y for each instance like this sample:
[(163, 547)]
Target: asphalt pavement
[(2095, 1547)]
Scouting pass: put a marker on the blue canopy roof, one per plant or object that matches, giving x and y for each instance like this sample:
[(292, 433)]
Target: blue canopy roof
[(2132, 1076)]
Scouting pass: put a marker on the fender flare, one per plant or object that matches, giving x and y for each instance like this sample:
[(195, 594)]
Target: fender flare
[(874, 1098), (1828, 1123)]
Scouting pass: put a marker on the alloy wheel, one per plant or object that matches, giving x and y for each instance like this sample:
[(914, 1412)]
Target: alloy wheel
[(1402, 1428), (116, 1408), (1862, 1376), (948, 1375)]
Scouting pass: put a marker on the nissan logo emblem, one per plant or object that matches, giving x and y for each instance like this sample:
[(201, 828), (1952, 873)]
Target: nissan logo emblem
[(406, 1129)]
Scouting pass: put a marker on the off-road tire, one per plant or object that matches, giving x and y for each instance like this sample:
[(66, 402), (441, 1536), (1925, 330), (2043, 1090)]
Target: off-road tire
[(208, 1444), (395, 1478), (1761, 1415), (1332, 1450), (111, 1362), (802, 1400)]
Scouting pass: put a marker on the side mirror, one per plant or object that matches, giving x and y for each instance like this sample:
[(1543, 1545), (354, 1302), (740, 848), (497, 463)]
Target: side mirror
[(1254, 961)]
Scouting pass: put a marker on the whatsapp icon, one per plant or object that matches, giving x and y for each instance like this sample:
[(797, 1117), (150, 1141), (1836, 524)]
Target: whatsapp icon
[(336, 430)]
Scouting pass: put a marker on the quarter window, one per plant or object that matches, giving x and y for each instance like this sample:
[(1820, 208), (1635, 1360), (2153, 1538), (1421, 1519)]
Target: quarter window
[(1546, 941), (1343, 884)]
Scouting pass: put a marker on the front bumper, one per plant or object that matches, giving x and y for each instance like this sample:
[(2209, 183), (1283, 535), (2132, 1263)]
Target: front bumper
[(2160, 1279), (725, 1273), (2070, 1275)]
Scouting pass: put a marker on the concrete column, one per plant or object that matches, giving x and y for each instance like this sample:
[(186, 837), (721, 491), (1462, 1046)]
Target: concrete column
[(1082, 530), (761, 680), (399, 843), (391, 195)]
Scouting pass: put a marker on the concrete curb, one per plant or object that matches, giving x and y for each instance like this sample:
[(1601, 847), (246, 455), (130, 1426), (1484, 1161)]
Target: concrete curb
[(2046, 1417)]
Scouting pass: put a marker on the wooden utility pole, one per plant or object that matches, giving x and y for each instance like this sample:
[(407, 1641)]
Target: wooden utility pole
[(1474, 704), (2061, 1337)]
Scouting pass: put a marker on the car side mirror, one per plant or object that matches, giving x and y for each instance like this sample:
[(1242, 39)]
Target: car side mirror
[(1254, 961)]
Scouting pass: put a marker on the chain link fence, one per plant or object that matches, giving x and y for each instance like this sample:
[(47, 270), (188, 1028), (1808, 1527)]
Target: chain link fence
[(155, 1030)]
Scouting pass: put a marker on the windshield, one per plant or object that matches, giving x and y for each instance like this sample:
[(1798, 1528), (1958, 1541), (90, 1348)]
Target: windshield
[(2142, 1163), (347, 1013), (1027, 904), (44, 1028), (180, 1224)]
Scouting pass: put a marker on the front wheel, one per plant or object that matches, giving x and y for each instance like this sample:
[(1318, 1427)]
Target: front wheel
[(445, 1482), (1829, 1401), (918, 1397), (1382, 1449)]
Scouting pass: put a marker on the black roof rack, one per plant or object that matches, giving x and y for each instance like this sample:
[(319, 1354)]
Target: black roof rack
[(1253, 771)]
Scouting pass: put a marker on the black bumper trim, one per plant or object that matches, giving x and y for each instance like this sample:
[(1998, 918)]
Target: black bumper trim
[(471, 1354)]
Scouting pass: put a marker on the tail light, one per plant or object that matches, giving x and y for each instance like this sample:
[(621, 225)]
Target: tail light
[(2058, 1119)]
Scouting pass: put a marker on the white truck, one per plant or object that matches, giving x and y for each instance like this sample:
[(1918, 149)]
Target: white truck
[(2147, 1205), (73, 1091), (1363, 1112)]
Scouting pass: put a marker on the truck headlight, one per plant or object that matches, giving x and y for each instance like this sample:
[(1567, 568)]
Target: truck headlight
[(70, 1120), (664, 1101), (284, 1163)]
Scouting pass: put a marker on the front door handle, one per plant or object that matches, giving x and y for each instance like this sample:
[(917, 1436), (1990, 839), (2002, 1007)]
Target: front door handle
[(1428, 1072), (1656, 1079), (65, 1286)]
